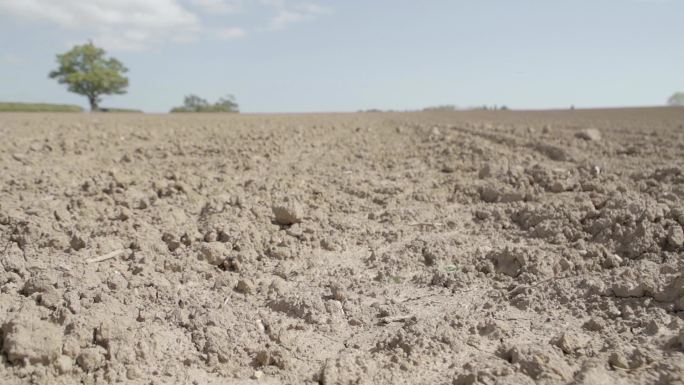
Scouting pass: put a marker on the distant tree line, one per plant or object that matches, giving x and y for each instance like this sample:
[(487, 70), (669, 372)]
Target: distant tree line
[(87, 71), (446, 107), (193, 103)]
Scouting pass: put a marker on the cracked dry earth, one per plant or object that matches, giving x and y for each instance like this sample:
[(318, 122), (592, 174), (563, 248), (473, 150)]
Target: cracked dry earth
[(377, 248)]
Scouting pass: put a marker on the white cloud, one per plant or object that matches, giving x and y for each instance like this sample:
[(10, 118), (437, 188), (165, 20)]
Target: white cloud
[(230, 33), (219, 6), (289, 15), (149, 14), (115, 24), (139, 24)]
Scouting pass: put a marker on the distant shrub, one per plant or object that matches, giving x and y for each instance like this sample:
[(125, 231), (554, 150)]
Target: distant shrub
[(38, 107), (446, 107), (676, 100), (193, 103), (121, 110)]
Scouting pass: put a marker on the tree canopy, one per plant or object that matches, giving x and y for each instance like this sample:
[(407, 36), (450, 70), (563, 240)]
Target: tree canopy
[(87, 71), (677, 99), (193, 103)]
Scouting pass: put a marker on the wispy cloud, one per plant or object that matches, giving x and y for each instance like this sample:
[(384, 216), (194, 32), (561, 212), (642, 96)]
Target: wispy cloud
[(219, 6), (117, 24), (139, 24), (296, 14), (230, 33)]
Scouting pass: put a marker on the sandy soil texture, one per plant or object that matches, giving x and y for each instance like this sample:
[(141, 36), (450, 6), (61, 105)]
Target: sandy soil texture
[(377, 248)]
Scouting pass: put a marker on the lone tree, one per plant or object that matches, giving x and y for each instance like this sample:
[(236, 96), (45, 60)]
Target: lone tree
[(677, 99), (86, 71)]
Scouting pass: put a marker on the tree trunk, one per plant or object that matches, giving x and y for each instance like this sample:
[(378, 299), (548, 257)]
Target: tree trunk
[(93, 103)]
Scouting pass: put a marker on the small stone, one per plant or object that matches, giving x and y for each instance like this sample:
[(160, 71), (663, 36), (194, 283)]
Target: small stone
[(489, 194), (594, 324), (612, 260), (37, 284), (338, 292), (618, 360), (482, 215), (124, 214), (71, 347), (103, 333), (652, 328), (172, 242), (77, 243), (263, 358), (675, 237), (627, 289), (570, 343), (213, 252), (116, 281), (31, 340), (557, 187), (556, 153), (51, 298), (91, 359), (589, 134), (257, 374), (133, 373), (73, 301), (64, 364), (287, 213), (244, 286), (328, 244)]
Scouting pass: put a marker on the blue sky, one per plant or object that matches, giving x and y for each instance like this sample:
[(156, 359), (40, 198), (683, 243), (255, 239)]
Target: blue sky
[(324, 55)]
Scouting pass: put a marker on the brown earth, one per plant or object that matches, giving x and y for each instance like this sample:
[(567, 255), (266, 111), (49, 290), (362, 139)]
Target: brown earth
[(376, 248)]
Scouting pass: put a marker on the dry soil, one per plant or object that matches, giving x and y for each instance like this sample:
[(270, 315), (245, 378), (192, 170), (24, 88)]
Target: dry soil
[(373, 248)]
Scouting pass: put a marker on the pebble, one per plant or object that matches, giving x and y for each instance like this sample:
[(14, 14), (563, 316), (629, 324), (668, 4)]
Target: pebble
[(132, 373), (32, 340), (77, 243), (287, 213), (244, 286), (590, 134), (64, 364), (675, 237), (570, 343), (91, 359), (213, 252), (612, 260)]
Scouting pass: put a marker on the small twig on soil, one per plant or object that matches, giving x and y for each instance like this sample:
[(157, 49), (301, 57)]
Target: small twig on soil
[(113, 254), (427, 224), (399, 318), (652, 364)]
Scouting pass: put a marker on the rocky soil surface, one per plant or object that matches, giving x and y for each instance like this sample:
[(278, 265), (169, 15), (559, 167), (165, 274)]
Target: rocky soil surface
[(377, 248)]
